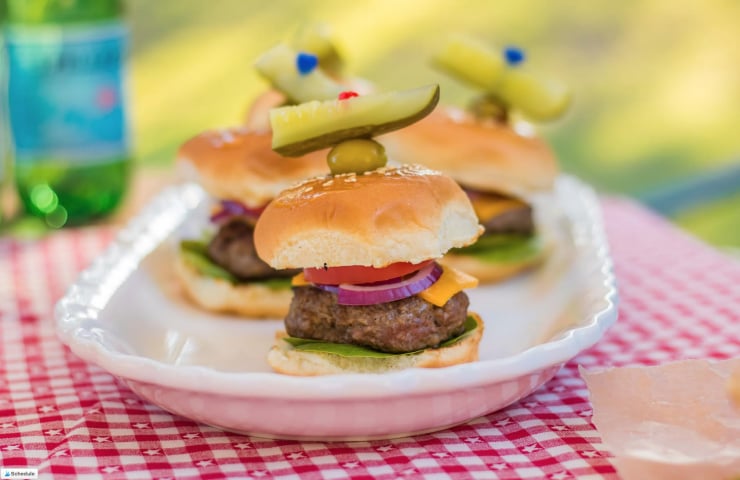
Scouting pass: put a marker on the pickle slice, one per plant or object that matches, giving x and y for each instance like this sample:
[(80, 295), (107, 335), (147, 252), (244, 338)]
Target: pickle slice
[(537, 98), (317, 38), (278, 66), (299, 129), (472, 62)]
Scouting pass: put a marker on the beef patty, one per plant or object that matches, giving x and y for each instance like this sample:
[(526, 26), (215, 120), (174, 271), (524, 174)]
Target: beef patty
[(517, 221), (233, 249), (397, 327)]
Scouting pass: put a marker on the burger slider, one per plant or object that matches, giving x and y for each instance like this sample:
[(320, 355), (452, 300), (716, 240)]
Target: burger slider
[(371, 297), (499, 162), (242, 173)]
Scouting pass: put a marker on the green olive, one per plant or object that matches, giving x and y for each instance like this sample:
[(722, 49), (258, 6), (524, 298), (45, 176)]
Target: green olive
[(488, 107), (357, 155)]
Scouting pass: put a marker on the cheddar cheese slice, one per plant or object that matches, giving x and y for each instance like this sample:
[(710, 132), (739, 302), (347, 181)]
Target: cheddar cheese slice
[(451, 282)]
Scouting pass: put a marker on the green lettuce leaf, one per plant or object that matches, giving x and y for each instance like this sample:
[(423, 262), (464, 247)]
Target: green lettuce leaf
[(196, 246), (277, 283), (503, 248), (470, 326), (195, 254), (347, 350)]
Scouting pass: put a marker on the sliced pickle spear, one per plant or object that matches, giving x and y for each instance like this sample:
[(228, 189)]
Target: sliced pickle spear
[(537, 98), (299, 129), (472, 62), (316, 38), (278, 66)]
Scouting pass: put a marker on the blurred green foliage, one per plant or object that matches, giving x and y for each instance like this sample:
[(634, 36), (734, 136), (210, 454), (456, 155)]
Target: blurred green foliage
[(715, 221), (656, 83)]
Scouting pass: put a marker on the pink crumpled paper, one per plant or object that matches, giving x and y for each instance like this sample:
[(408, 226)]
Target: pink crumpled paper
[(674, 421)]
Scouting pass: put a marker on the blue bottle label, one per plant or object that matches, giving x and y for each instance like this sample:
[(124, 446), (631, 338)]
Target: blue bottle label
[(66, 93)]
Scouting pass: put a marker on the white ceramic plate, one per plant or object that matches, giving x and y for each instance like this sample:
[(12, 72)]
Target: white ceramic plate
[(125, 313)]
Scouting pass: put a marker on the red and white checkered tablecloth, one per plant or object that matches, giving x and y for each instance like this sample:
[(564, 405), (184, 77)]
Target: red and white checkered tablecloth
[(679, 299)]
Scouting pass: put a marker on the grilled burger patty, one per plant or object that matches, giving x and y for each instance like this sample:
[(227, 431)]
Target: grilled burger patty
[(517, 221), (396, 327), (233, 249)]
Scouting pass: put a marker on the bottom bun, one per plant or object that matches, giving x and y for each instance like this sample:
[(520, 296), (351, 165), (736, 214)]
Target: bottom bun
[(283, 358), (217, 295), (490, 272)]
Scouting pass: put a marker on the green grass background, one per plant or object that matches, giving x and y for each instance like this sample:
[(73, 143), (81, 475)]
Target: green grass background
[(656, 83)]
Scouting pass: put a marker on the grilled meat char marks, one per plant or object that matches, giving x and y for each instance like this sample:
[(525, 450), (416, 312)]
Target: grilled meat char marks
[(397, 327)]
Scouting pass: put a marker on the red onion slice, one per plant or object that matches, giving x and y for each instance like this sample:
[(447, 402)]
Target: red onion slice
[(220, 216), (373, 294), (231, 208), (327, 288)]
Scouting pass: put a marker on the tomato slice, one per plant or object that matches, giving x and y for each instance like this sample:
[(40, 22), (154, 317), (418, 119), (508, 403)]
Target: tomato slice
[(356, 274)]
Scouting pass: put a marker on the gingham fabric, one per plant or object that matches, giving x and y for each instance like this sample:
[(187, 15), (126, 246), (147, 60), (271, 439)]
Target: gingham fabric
[(679, 299)]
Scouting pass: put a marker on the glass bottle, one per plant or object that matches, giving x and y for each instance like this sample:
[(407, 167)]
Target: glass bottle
[(4, 149), (67, 106)]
